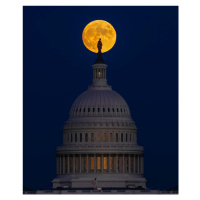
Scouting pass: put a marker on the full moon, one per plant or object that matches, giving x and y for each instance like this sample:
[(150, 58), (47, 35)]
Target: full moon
[(99, 29)]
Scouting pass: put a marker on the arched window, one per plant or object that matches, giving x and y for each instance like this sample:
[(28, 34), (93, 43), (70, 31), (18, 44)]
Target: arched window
[(116, 137), (86, 137), (98, 137), (111, 139), (75, 137), (92, 137), (104, 137), (121, 137), (92, 162), (80, 137)]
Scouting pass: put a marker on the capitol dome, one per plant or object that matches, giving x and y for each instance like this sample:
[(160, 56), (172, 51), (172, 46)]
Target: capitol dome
[(99, 103), (99, 140)]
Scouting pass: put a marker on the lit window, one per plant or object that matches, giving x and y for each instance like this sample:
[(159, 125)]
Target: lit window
[(105, 162), (98, 162), (92, 162)]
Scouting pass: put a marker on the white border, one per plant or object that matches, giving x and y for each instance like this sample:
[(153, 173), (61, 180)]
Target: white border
[(11, 96)]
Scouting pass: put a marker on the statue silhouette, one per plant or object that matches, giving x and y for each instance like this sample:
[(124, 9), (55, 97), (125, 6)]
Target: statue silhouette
[(99, 54), (99, 45)]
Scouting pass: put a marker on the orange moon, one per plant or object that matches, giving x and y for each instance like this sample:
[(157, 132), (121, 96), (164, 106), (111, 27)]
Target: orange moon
[(99, 29)]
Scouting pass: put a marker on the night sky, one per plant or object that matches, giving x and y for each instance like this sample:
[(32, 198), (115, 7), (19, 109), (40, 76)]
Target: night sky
[(142, 68)]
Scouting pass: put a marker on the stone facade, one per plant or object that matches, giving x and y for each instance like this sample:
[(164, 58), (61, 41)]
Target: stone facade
[(100, 141)]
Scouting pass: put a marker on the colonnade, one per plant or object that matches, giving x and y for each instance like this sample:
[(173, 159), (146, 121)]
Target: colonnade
[(100, 163)]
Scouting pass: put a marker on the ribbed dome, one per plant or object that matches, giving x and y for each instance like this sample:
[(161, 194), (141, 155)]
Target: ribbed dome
[(99, 103)]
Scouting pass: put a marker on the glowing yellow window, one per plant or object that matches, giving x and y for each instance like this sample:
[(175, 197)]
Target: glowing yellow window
[(98, 163), (105, 162), (92, 162)]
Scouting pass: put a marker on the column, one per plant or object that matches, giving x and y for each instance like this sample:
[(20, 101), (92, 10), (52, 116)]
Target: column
[(116, 163), (57, 165), (73, 166), (109, 163), (101, 163), (123, 164), (60, 165), (134, 165), (87, 164), (138, 163), (129, 163), (80, 163), (95, 163), (63, 164), (142, 164), (68, 163)]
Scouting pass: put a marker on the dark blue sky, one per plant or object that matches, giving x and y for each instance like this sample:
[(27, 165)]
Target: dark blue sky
[(142, 67)]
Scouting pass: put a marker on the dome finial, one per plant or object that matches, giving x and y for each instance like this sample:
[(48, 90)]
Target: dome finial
[(99, 54)]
